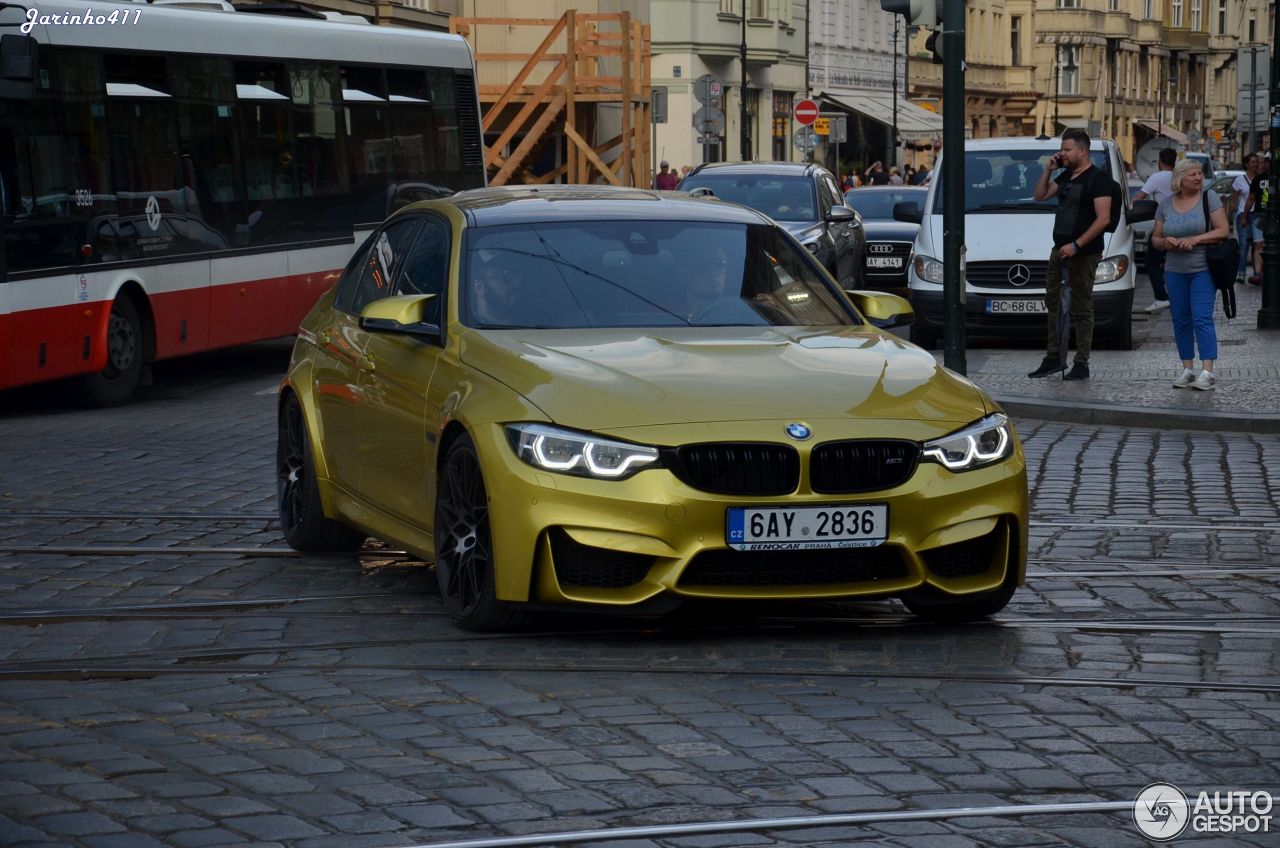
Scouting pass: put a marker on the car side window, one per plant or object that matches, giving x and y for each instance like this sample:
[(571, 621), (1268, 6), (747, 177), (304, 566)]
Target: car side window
[(825, 199), (426, 269), (383, 257), (832, 192)]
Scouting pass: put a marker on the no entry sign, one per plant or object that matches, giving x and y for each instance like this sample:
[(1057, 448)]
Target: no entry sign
[(806, 112)]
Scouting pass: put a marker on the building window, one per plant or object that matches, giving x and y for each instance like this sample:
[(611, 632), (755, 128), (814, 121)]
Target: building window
[(1068, 4), (784, 11), (1147, 9), (1015, 39), (730, 7), (1175, 13), (1253, 30), (759, 9), (1222, 17), (1115, 5), (1195, 15), (1068, 69)]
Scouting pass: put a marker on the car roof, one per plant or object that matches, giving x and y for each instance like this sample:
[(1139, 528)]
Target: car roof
[(490, 207), (780, 168)]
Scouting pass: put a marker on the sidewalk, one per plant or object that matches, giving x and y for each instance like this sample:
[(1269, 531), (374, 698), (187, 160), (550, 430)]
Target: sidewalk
[(1132, 388)]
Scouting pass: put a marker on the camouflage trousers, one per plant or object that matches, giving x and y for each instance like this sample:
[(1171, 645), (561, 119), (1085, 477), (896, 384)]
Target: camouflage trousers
[(1079, 271)]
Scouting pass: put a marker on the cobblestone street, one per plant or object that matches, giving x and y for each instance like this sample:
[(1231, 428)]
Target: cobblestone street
[(172, 674)]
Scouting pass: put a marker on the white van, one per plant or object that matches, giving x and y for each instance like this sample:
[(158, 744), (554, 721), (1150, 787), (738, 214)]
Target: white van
[(1008, 236)]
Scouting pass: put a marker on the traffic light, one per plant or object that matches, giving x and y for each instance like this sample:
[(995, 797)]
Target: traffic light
[(934, 45), (925, 13)]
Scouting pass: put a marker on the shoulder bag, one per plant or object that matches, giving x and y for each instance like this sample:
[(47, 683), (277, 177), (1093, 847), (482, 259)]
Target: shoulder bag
[(1223, 259)]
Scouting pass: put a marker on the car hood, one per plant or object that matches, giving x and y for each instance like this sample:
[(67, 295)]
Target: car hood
[(598, 379), (880, 230), (802, 229), (986, 237)]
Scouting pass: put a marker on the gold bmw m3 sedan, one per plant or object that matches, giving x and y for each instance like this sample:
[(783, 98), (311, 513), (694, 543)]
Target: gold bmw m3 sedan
[(613, 398)]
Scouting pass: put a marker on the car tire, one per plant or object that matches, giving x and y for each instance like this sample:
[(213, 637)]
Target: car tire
[(948, 609), (302, 518), (464, 544), (119, 379), (922, 336)]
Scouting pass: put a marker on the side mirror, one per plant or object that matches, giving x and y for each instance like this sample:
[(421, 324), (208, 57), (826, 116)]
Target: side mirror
[(908, 212), (841, 213), (406, 313), (1143, 210), (883, 310)]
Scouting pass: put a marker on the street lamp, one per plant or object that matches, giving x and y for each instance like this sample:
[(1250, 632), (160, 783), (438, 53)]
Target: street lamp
[(742, 98), (894, 57)]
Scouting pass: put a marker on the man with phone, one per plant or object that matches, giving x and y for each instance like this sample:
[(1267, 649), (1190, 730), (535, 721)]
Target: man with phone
[(1084, 210)]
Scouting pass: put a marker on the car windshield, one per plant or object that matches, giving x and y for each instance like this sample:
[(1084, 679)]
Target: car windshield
[(782, 198), (877, 205), (999, 181), (643, 274)]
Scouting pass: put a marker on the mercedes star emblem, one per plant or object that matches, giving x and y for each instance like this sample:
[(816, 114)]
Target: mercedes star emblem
[(1019, 275)]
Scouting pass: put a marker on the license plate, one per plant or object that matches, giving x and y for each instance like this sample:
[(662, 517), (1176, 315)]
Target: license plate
[(1016, 307), (807, 528), (884, 262)]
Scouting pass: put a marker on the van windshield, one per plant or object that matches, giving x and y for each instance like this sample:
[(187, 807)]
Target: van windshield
[(1003, 181)]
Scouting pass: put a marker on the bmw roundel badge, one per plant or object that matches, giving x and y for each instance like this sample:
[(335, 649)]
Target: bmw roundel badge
[(798, 431)]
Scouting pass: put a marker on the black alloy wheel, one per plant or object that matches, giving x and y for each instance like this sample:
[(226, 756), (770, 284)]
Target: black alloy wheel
[(464, 545), (302, 518)]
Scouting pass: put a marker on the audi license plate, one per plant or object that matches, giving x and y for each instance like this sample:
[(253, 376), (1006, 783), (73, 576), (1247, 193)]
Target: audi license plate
[(884, 262), (807, 528), (1016, 307)]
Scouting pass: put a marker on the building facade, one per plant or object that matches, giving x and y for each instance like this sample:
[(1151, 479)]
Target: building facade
[(694, 39), (858, 67)]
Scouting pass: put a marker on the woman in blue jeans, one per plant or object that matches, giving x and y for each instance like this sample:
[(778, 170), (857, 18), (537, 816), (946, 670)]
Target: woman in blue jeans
[(1182, 232)]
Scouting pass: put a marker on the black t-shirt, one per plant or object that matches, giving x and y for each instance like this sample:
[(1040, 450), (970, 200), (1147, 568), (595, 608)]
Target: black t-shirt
[(1261, 192), (879, 178), (1076, 212)]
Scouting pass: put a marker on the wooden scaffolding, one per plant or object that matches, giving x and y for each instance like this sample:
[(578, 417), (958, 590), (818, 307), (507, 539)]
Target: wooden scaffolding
[(595, 60)]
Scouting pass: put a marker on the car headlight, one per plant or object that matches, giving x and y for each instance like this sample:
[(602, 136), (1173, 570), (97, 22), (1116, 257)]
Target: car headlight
[(582, 454), (1111, 269), (978, 444), (928, 269)]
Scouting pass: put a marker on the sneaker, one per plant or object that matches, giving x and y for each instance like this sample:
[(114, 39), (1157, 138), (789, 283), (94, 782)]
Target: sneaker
[(1185, 379), (1240, 278), (1157, 305), (1048, 366), (1079, 371), (1255, 280), (1205, 382)]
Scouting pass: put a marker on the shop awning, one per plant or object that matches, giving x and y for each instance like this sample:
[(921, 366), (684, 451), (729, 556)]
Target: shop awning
[(1168, 132), (913, 122)]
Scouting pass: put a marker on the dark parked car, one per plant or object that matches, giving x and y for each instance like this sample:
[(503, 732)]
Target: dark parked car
[(888, 241), (804, 198)]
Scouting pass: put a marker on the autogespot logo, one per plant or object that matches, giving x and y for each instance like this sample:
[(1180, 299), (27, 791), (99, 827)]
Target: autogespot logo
[(1161, 811)]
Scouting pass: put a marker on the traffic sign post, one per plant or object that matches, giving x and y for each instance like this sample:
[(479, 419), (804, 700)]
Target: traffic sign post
[(707, 90), (805, 139)]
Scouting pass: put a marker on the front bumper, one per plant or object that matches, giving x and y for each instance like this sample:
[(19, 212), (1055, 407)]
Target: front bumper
[(560, 539), (1110, 309)]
